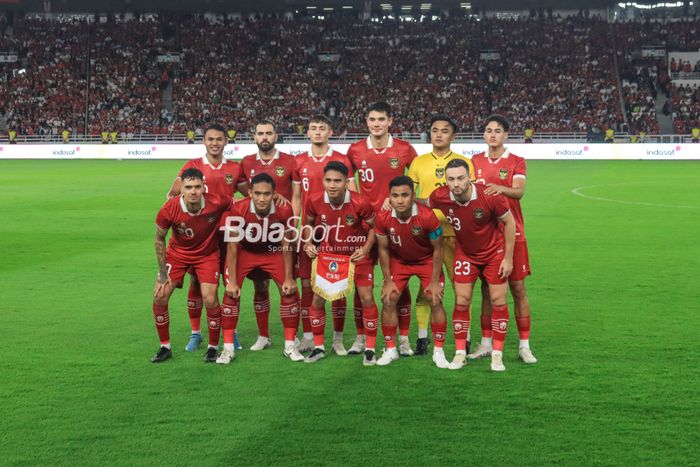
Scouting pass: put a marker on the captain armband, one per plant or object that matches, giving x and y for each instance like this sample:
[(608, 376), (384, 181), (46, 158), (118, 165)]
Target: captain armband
[(435, 234)]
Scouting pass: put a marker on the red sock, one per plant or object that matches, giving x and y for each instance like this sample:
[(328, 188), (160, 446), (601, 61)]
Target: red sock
[(307, 296), (318, 324), (370, 316), (499, 325), (162, 319), (229, 318), (338, 308), (289, 312), (357, 309), (460, 322), (214, 325), (439, 331), (389, 336), (261, 305), (523, 327), (486, 326), (194, 306), (404, 310)]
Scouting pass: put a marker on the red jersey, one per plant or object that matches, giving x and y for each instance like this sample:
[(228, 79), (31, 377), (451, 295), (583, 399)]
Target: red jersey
[(346, 228), (193, 235), (280, 168), (259, 234), (476, 223), (220, 180), (377, 167), (409, 240), (308, 170), (503, 171)]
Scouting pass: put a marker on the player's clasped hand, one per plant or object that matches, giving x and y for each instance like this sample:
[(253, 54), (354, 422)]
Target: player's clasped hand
[(389, 289), (493, 189), (233, 290), (160, 288), (386, 206), (358, 255), (435, 291), (289, 286), (280, 200), (505, 268), (311, 251)]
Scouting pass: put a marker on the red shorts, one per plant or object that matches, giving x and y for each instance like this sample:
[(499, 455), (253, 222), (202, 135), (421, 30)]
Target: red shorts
[(521, 262), (401, 272), (466, 271), (303, 265), (206, 269), (364, 274), (258, 266)]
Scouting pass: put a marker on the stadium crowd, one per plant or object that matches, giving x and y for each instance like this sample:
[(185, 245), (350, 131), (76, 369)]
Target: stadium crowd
[(238, 71)]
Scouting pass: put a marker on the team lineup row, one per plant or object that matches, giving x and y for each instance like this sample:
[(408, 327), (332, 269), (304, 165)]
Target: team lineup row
[(475, 229)]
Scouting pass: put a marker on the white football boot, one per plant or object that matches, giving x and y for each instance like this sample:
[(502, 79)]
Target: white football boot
[(225, 357), (497, 361), (261, 344)]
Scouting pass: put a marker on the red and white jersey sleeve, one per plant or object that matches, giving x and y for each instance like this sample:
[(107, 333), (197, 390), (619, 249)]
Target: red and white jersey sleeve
[(280, 168), (255, 233), (221, 180), (193, 236), (503, 171), (309, 172), (476, 222), (409, 240), (377, 167)]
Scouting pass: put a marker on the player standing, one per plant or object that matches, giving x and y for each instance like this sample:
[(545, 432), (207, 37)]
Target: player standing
[(428, 173), (193, 217), (308, 182), (505, 173), (220, 178), (347, 219), (378, 160), (482, 250), (280, 167), (410, 243), (258, 236)]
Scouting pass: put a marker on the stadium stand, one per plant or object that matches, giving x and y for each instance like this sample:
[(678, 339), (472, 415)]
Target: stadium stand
[(551, 75)]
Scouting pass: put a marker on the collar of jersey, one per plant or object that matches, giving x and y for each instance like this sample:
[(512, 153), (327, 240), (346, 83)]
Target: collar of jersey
[(218, 167), (252, 209), (327, 200), (473, 197), (389, 144), (183, 205), (263, 162), (414, 212)]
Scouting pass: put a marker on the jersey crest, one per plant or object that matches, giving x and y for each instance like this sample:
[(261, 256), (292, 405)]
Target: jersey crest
[(229, 179), (439, 172), (394, 162), (279, 171), (349, 219), (478, 213), (503, 174), (416, 230)]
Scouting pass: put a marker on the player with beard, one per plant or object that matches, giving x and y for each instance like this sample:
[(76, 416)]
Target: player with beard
[(280, 167)]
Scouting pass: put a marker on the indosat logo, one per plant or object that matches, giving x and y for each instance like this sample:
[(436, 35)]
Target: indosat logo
[(141, 152), (663, 152), (571, 152), (66, 152)]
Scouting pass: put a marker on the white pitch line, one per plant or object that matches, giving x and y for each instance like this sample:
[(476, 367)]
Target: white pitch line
[(577, 192)]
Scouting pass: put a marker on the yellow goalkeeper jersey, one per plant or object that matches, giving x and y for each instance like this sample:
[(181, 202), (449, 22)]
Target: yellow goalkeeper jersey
[(428, 172)]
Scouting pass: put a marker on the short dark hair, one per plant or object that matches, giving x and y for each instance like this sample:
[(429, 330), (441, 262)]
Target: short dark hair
[(318, 118), (265, 122), (401, 180), (337, 166), (380, 106), (262, 178), (456, 163), (215, 127), (444, 118), (192, 174), (500, 119)]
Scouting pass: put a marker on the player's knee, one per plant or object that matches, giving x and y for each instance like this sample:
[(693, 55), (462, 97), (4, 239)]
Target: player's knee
[(366, 298), (463, 300)]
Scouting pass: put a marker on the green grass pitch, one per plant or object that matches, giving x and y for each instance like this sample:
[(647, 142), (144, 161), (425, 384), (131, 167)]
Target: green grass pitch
[(616, 322)]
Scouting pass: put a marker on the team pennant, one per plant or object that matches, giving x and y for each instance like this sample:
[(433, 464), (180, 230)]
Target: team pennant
[(332, 276)]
